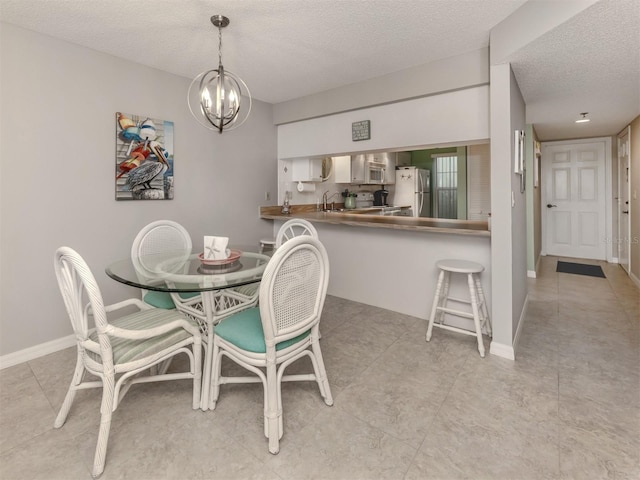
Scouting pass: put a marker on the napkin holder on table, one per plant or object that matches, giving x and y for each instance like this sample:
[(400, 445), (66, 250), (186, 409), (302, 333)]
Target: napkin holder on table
[(215, 248)]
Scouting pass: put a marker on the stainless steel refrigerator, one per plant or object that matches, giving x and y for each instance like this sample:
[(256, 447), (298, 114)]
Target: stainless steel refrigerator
[(413, 188)]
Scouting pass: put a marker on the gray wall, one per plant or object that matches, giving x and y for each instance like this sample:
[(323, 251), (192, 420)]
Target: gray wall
[(518, 217), (449, 74), (57, 146), (533, 194), (508, 208), (634, 248)]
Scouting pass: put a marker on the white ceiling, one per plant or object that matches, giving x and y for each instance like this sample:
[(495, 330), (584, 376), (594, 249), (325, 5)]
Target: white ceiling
[(285, 49)]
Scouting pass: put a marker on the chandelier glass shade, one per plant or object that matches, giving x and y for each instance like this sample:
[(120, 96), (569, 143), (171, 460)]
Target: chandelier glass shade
[(218, 99)]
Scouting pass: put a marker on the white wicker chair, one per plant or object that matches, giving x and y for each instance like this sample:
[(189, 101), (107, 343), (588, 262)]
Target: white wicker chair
[(158, 237), (289, 229), (164, 236), (284, 328), (118, 351), (294, 228)]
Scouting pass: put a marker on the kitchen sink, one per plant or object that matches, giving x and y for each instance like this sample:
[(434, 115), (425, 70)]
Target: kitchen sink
[(352, 210), (387, 211)]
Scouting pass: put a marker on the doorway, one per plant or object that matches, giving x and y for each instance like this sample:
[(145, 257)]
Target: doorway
[(574, 198), (624, 218)]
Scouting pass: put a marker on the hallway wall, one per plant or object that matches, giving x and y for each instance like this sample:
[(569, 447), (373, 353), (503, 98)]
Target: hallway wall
[(634, 248)]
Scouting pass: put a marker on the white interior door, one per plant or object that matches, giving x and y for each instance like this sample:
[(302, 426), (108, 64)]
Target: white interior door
[(624, 217), (574, 199)]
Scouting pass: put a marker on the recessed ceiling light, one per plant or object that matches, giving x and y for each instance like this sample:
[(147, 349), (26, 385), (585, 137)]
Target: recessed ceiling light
[(584, 118)]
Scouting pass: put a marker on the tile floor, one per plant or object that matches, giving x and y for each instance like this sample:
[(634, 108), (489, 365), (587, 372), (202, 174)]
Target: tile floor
[(567, 408)]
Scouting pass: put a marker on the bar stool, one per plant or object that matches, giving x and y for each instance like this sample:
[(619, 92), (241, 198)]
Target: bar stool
[(267, 244), (479, 312)]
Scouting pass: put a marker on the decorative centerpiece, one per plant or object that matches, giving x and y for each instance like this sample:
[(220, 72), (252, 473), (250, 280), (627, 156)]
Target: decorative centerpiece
[(217, 256)]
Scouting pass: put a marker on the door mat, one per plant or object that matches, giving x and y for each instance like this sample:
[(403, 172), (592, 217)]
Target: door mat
[(580, 269)]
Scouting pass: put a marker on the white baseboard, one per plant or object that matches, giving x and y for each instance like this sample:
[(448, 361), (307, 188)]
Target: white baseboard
[(635, 279), (523, 317), (506, 351), (533, 274), (614, 260), (36, 351), (502, 350)]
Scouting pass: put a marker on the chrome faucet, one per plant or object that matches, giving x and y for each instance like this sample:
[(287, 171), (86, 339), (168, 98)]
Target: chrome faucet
[(325, 200)]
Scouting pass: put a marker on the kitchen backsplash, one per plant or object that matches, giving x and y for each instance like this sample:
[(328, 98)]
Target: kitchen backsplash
[(285, 183)]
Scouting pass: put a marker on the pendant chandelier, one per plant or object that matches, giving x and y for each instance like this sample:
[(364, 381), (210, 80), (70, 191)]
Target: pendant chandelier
[(218, 99)]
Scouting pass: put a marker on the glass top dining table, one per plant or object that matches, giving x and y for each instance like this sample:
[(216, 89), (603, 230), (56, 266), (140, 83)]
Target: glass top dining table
[(184, 271), (205, 291)]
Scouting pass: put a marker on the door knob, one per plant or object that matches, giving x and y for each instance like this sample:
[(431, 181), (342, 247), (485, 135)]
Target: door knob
[(626, 211), (549, 205)]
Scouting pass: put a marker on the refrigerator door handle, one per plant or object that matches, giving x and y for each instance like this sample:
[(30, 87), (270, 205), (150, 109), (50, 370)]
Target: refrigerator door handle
[(421, 200)]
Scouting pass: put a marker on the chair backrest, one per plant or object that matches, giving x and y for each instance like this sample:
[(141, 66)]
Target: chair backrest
[(161, 236), (294, 228), (82, 296), (293, 289)]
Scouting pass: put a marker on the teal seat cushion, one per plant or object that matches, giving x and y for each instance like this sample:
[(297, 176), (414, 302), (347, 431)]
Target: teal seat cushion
[(244, 330), (159, 300), (163, 299)]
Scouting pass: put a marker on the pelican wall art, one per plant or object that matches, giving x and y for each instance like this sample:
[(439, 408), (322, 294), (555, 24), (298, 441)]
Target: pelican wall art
[(144, 158)]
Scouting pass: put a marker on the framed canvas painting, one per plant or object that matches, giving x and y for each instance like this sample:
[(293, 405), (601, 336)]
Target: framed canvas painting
[(144, 158)]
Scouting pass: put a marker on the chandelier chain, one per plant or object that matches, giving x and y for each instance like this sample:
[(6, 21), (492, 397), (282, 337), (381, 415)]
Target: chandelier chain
[(219, 45)]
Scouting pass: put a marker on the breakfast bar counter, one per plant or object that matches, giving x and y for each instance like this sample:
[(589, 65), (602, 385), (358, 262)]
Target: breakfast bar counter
[(373, 218), (390, 261)]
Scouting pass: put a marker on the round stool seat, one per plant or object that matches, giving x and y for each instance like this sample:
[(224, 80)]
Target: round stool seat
[(459, 266), (267, 244)]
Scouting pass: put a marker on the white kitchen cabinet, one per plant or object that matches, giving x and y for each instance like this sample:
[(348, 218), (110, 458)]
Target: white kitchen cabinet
[(342, 168), (349, 169), (307, 170), (357, 169), (403, 159)]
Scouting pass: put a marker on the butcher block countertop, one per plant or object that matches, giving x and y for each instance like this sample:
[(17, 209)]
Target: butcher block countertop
[(373, 219)]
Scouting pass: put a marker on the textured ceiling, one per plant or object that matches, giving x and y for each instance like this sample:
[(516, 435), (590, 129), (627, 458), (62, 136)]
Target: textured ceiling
[(282, 49), (591, 63), (286, 49)]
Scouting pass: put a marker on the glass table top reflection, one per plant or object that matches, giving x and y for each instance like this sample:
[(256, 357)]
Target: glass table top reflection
[(185, 271)]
